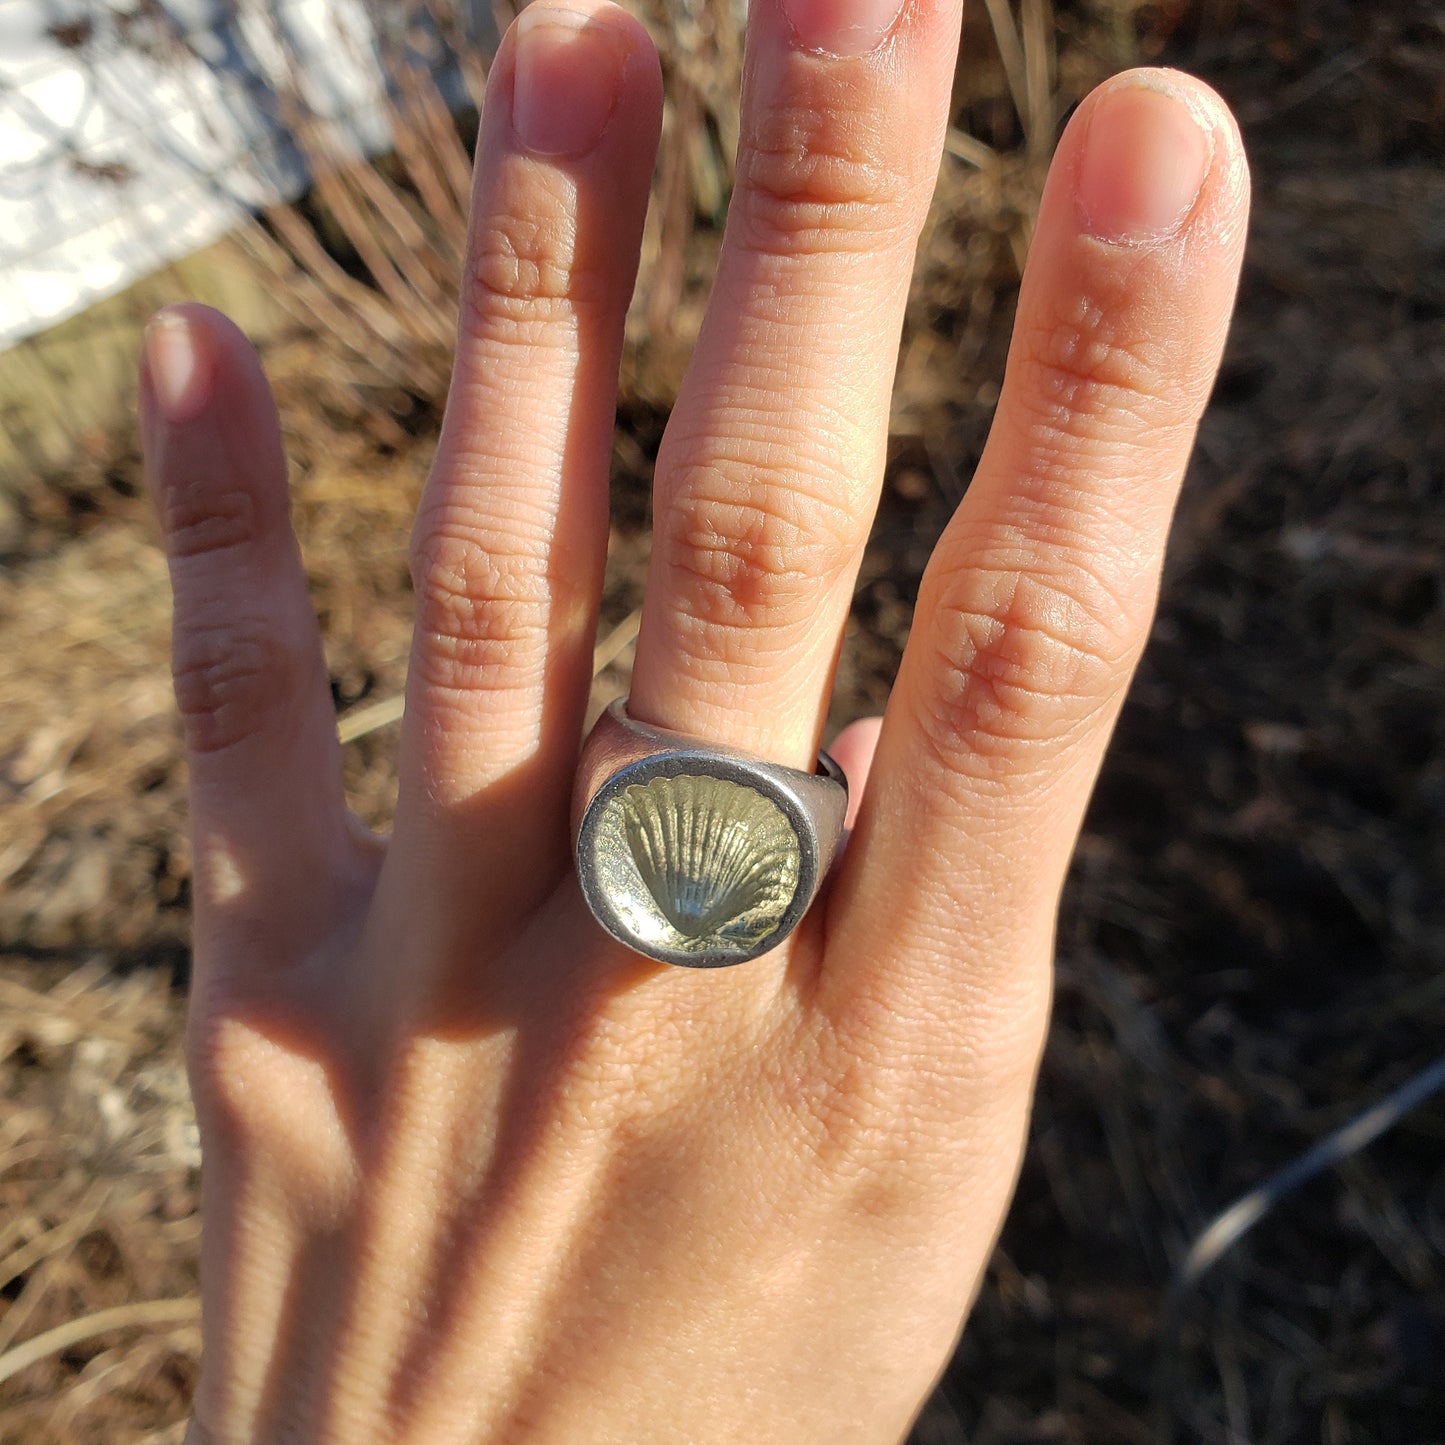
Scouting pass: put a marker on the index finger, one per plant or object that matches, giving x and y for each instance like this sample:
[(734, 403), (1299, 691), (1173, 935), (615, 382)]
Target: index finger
[(1039, 597)]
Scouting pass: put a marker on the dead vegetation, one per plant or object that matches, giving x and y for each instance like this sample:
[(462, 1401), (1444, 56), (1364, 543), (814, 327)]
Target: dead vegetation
[(1251, 947)]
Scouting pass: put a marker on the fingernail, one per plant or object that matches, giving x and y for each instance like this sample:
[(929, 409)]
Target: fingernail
[(1146, 154), (566, 83), (842, 27), (180, 373)]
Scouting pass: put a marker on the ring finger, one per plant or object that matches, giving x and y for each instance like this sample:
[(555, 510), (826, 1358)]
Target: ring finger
[(769, 473)]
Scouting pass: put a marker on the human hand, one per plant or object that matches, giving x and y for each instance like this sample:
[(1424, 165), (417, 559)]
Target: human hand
[(473, 1171)]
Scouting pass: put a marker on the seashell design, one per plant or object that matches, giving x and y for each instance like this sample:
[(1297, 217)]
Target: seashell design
[(697, 863)]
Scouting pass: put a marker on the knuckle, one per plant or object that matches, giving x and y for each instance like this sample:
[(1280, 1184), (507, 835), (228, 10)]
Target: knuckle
[(809, 185), (230, 679), (755, 556), (857, 1122), (1021, 662), (529, 269), (203, 522), (226, 1064), (263, 1100), (893, 1101), (1090, 374), (479, 608)]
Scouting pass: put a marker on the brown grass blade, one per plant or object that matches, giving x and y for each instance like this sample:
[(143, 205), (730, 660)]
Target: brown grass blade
[(141, 1315)]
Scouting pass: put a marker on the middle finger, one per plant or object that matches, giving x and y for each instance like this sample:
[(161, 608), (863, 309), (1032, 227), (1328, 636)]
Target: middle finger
[(769, 473)]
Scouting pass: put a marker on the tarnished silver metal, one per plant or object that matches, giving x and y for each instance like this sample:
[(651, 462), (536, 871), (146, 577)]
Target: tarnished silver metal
[(698, 854)]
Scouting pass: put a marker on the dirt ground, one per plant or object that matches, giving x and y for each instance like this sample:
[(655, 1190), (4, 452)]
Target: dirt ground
[(1251, 946)]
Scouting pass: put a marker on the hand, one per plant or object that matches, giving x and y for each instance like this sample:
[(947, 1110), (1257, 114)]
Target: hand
[(473, 1171)]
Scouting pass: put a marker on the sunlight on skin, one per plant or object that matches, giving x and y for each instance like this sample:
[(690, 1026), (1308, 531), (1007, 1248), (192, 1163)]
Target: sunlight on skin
[(474, 1172), (218, 873)]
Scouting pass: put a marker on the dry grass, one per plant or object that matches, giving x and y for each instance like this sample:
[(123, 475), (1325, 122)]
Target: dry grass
[(1251, 947), (98, 1227)]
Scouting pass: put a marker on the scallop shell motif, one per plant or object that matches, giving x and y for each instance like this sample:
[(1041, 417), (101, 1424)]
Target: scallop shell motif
[(697, 863)]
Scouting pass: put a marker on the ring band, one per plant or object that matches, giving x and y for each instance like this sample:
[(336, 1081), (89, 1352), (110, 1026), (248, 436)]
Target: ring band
[(697, 854)]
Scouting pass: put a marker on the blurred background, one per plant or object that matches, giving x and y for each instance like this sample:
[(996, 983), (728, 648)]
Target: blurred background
[(1252, 949)]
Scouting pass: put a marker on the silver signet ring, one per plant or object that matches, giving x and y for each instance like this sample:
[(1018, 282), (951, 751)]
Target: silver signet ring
[(698, 854)]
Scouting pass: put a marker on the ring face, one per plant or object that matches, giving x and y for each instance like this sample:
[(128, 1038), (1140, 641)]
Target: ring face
[(696, 864), (695, 855)]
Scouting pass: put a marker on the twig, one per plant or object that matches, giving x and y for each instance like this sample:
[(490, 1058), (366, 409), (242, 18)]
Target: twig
[(1011, 54), (25, 1258), (615, 643), (1038, 47), (371, 718), (72, 1332), (1228, 1227), (675, 205), (969, 148)]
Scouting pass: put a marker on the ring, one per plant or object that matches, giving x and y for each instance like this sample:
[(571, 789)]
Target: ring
[(698, 854)]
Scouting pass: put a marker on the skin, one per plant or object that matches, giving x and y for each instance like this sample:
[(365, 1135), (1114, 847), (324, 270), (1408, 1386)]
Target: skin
[(474, 1172)]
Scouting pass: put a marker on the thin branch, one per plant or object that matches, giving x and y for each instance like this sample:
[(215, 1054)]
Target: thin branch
[(970, 149), (1227, 1228), (1011, 53), (87, 1327), (370, 719)]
